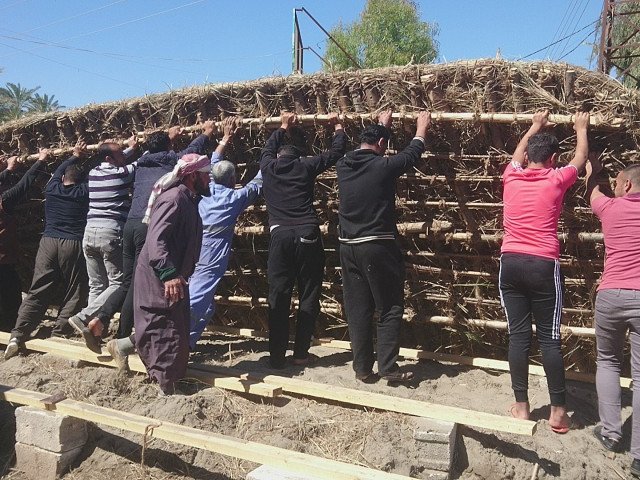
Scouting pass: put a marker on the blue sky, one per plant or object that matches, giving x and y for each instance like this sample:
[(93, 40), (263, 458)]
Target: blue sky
[(100, 50)]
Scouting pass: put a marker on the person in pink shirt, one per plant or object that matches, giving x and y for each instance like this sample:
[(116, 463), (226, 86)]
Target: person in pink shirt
[(617, 303), (530, 281)]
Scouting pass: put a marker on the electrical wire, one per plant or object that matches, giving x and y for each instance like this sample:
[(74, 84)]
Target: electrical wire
[(567, 27), (580, 43), (558, 31), (100, 30), (562, 39), (73, 66), (576, 23), (77, 15)]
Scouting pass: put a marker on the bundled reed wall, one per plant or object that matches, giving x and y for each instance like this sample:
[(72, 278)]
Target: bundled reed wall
[(449, 205)]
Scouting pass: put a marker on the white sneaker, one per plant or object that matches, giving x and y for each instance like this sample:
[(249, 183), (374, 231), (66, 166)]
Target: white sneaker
[(12, 349)]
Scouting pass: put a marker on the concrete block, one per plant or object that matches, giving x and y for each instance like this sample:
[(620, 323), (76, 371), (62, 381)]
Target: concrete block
[(437, 442), (49, 430), (265, 472), (39, 464)]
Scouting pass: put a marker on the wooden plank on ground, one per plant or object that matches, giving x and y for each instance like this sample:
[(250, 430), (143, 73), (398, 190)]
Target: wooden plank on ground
[(77, 351), (289, 460), (411, 353), (380, 401)]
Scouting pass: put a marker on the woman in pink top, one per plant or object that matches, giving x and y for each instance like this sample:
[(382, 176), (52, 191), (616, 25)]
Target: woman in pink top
[(530, 281)]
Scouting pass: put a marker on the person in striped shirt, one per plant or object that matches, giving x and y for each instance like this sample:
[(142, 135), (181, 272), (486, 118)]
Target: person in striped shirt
[(110, 185)]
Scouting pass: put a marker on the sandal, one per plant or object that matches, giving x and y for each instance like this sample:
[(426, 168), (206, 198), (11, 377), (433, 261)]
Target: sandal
[(562, 429), (368, 377)]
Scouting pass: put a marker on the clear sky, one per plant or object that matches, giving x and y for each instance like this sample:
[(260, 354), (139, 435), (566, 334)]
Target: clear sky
[(100, 50)]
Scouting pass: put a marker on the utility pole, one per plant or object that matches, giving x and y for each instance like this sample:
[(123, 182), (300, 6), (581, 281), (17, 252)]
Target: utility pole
[(299, 48), (623, 54)]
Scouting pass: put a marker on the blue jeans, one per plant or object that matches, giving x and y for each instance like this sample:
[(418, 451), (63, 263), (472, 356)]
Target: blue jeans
[(103, 253), (214, 258)]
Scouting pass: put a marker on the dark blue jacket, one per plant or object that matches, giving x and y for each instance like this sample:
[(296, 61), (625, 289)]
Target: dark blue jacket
[(65, 206), (152, 166)]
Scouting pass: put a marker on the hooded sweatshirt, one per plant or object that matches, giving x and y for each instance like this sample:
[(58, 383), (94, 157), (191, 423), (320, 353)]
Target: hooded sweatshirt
[(288, 180), (367, 192)]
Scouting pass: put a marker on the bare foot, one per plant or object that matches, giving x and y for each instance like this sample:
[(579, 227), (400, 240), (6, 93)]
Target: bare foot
[(559, 420), (96, 326), (520, 410)]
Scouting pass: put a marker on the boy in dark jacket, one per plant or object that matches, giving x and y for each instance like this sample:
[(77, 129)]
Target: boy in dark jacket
[(372, 264)]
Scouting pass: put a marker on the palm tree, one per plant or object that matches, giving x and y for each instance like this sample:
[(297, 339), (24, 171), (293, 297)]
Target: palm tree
[(15, 99), (44, 103)]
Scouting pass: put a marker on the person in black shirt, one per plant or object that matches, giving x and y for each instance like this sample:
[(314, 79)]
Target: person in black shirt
[(10, 288), (295, 248), (59, 260), (372, 263)]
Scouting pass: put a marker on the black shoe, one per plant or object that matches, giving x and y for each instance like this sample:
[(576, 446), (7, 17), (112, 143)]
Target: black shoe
[(635, 468), (610, 444), (92, 342)]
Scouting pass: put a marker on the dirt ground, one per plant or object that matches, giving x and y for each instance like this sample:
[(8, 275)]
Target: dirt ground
[(374, 439)]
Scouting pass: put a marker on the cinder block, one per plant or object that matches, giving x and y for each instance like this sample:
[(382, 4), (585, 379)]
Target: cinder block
[(39, 464), (437, 441), (49, 430), (265, 472)]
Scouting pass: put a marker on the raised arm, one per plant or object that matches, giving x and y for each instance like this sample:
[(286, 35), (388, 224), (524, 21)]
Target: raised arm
[(18, 193), (199, 144), (580, 125), (230, 127), (410, 155), (594, 190), (9, 177), (270, 151), (540, 121), (328, 159), (79, 151)]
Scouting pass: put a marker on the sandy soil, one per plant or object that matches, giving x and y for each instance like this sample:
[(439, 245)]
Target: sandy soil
[(375, 439)]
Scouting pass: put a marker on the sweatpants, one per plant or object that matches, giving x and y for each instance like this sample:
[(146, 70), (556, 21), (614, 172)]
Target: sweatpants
[(10, 296), (59, 262), (531, 289), (617, 311), (373, 279), (296, 255)]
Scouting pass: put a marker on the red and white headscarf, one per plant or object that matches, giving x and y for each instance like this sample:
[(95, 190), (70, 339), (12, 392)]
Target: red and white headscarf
[(189, 163)]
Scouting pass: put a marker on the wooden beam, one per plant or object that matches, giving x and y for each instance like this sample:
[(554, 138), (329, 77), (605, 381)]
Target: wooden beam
[(288, 460), (416, 354), (349, 396), (77, 351)]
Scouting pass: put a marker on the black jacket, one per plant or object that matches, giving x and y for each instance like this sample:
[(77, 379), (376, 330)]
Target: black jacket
[(288, 181), (367, 191)]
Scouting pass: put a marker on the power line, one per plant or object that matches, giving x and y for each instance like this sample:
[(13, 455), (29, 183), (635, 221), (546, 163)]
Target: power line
[(55, 22), (559, 30), (72, 66), (562, 39), (128, 22), (567, 28), (135, 58), (580, 43), (584, 9)]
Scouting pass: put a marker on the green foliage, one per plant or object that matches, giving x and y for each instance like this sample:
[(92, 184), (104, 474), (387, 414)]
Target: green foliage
[(44, 103), (389, 32), (624, 29), (17, 101)]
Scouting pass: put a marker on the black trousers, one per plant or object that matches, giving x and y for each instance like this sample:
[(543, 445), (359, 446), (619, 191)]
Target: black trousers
[(296, 255), (373, 279), (59, 262), (133, 238), (10, 296), (531, 288)]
